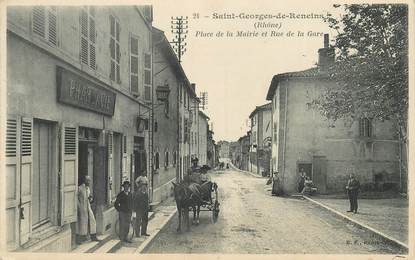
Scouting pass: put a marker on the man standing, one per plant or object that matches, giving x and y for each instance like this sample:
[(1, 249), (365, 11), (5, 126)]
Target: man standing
[(123, 204), (86, 223), (353, 186), (301, 180), (141, 206)]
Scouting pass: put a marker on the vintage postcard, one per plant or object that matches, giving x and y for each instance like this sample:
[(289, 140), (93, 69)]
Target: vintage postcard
[(198, 128)]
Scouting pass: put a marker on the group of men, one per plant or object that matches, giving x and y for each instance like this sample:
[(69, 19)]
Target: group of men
[(129, 205)]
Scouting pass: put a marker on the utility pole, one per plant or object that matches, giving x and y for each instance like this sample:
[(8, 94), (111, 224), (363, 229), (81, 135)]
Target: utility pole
[(179, 26)]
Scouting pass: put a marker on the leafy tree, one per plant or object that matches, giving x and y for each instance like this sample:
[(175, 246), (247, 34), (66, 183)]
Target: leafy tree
[(371, 66)]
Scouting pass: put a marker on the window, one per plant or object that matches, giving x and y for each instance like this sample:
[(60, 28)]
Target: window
[(157, 161), (134, 65), (88, 36), (44, 23), (185, 99), (147, 76), (166, 159), (365, 127), (174, 158), (181, 92), (155, 126), (115, 49), (185, 131)]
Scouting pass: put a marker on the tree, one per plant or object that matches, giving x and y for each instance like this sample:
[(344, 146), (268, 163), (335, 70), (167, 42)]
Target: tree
[(371, 68)]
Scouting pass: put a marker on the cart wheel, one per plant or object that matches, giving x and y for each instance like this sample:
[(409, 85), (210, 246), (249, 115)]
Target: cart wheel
[(215, 212)]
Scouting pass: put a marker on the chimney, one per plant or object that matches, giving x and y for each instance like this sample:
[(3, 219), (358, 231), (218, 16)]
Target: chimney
[(193, 85), (325, 55)]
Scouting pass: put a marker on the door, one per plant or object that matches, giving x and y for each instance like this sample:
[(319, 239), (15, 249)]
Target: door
[(68, 173), (26, 175), (42, 166), (12, 156), (320, 173)]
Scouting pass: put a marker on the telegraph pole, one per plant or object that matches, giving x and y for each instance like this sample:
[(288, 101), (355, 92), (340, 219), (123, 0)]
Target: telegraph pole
[(179, 26)]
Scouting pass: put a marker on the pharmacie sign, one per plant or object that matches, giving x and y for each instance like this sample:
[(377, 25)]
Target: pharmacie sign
[(80, 92)]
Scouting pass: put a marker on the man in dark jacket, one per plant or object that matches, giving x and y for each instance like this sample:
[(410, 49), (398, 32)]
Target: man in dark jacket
[(353, 187), (123, 204), (141, 208), (301, 180)]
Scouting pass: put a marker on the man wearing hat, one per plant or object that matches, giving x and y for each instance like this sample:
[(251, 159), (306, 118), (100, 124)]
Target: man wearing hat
[(141, 205), (123, 204)]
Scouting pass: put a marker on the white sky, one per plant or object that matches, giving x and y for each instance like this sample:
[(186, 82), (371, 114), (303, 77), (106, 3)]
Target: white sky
[(236, 72)]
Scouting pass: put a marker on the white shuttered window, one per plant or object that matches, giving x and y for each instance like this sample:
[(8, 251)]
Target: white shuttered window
[(88, 36), (44, 23), (134, 88), (147, 76), (115, 49)]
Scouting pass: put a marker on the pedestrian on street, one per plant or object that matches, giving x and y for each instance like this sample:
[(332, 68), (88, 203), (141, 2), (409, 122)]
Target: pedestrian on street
[(301, 180), (123, 204), (353, 187), (86, 223), (276, 185), (141, 206)]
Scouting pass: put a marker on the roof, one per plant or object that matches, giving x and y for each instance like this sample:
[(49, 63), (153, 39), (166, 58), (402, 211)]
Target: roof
[(160, 39), (260, 108), (309, 73), (203, 115)]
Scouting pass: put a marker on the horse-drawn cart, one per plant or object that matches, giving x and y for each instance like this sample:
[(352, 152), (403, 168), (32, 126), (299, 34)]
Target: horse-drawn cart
[(196, 193), (210, 202)]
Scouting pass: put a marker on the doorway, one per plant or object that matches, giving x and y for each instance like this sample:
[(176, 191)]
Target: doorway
[(140, 157), (320, 173), (42, 172), (308, 169)]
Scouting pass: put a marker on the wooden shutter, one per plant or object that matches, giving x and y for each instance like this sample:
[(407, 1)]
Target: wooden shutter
[(38, 20), (110, 167), (147, 76), (52, 25), (92, 40), (12, 182), (68, 173), (134, 65), (124, 157), (26, 172), (83, 22)]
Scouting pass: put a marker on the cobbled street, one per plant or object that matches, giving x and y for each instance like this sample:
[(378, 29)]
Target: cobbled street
[(252, 221)]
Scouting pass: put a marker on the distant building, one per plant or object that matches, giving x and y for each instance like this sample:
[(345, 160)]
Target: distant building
[(244, 152), (212, 153), (203, 133), (223, 149), (260, 141), (302, 138)]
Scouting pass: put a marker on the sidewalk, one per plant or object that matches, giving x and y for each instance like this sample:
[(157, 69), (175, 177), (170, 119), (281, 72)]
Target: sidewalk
[(389, 216), (110, 243)]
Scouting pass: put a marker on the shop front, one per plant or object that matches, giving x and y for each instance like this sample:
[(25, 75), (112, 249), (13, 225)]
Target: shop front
[(87, 129)]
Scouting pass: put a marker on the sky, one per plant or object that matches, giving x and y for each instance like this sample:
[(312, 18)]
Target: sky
[(237, 71)]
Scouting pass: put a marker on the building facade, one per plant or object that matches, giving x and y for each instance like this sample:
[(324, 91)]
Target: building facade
[(223, 149), (168, 76), (78, 78), (302, 138), (260, 154), (203, 132)]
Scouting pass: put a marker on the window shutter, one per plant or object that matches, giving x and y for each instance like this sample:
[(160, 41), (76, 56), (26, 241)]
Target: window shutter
[(68, 173), (38, 20), (124, 157), (12, 182), (52, 25), (26, 171), (147, 76), (110, 167), (83, 20)]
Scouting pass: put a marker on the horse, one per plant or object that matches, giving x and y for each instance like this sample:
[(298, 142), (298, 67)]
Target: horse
[(186, 196)]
